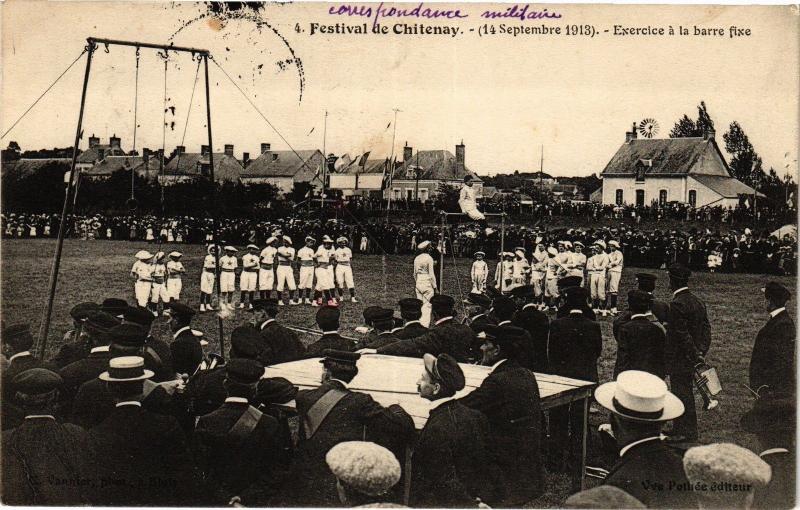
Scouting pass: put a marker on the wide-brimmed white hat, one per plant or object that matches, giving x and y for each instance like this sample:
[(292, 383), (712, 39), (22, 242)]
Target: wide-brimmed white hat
[(287, 239), (480, 253), (230, 249), (252, 247), (615, 244), (211, 248), (175, 254), (640, 396), (552, 251), (341, 239), (423, 245), (159, 255), (271, 239), (310, 238), (126, 368), (521, 253), (327, 239), (600, 243), (143, 255)]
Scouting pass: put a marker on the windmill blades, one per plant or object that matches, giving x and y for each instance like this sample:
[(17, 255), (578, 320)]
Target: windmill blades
[(648, 128)]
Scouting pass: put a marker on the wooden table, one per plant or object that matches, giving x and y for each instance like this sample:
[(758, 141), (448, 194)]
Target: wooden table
[(393, 380)]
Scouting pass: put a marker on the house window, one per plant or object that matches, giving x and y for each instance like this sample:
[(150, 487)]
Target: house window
[(619, 197), (693, 198), (640, 174), (409, 194), (639, 198), (397, 193), (662, 197)]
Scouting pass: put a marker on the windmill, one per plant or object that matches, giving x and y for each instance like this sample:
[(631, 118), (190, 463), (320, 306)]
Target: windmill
[(648, 128)]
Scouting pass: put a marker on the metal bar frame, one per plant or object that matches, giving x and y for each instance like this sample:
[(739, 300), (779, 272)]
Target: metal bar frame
[(444, 216), (92, 43)]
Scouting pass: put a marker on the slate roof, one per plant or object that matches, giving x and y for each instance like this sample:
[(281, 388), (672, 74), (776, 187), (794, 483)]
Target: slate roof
[(93, 154), (285, 164), (668, 157), (436, 165), (29, 166), (226, 168), (111, 164), (726, 187)]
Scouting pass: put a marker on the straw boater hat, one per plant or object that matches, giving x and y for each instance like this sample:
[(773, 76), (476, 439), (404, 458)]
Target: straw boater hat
[(639, 396), (126, 368), (143, 255)]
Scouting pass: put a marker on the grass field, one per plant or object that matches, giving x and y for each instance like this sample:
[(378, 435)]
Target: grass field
[(94, 270)]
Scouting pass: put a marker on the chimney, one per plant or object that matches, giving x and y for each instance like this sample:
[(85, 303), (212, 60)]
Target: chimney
[(114, 142), (93, 141), (631, 135), (460, 166), (407, 153), (229, 149), (709, 133), (245, 159), (265, 147), (204, 150), (180, 149)]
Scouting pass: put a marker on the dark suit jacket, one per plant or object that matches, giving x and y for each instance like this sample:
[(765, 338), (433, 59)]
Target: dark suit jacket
[(77, 373), (509, 397), (448, 336), (281, 344), (411, 330), (94, 403), (588, 313), (205, 392), (772, 362), (382, 339), (537, 325), (47, 451), (660, 311), (148, 452), (329, 341), (158, 355), (16, 367), (688, 333), (356, 417), (780, 493), (72, 350), (230, 465), (646, 472), (640, 346), (574, 346), (452, 463)]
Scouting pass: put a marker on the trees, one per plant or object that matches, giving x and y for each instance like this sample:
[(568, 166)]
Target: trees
[(686, 127), (745, 163)]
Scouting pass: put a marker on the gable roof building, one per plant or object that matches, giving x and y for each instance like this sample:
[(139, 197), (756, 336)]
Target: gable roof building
[(192, 165), (284, 169), (689, 170), (421, 173), (146, 166)]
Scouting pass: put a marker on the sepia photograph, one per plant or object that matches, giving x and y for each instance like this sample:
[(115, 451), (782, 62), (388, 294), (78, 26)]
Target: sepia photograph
[(412, 254)]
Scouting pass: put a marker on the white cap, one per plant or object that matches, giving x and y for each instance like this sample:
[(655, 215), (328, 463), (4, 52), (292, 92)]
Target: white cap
[(230, 248), (309, 238), (423, 245), (613, 243), (271, 239), (327, 239), (175, 254), (552, 251), (287, 239), (143, 255), (341, 239), (252, 247)]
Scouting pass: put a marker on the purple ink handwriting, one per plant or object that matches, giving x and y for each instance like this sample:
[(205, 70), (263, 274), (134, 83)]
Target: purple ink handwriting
[(516, 11)]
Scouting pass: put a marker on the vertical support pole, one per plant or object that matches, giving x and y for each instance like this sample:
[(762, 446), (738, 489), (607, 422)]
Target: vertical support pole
[(324, 166), (579, 477), (441, 254), (214, 205), (502, 246), (45, 328)]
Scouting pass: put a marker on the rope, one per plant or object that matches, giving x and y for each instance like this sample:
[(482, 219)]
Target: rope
[(43, 94), (135, 120), (458, 275), (305, 164)]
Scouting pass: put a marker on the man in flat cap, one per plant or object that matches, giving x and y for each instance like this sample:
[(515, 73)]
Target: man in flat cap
[(40, 449), (536, 323), (772, 364), (565, 285), (411, 313), (74, 343), (773, 420), (368, 329), (509, 397), (328, 321), (479, 311), (114, 306), (142, 448), (281, 344), (660, 310), (641, 339), (688, 341), (446, 335), (648, 468), (331, 414), (157, 353), (452, 463), (16, 346), (424, 279), (236, 446), (365, 473), (603, 496), (727, 475), (98, 326), (574, 347), (383, 324)]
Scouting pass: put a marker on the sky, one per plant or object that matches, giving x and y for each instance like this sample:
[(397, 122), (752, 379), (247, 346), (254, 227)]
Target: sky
[(505, 97)]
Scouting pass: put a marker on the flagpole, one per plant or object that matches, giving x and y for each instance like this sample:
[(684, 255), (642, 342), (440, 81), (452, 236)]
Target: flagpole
[(391, 162)]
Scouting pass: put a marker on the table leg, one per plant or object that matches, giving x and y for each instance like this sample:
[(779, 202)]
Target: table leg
[(579, 474), (407, 482)]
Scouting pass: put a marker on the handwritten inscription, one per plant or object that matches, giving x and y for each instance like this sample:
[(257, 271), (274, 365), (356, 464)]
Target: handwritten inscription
[(377, 13)]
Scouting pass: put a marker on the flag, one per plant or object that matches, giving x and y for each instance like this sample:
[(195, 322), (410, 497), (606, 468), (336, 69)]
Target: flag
[(363, 161), (387, 175), (342, 162)]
